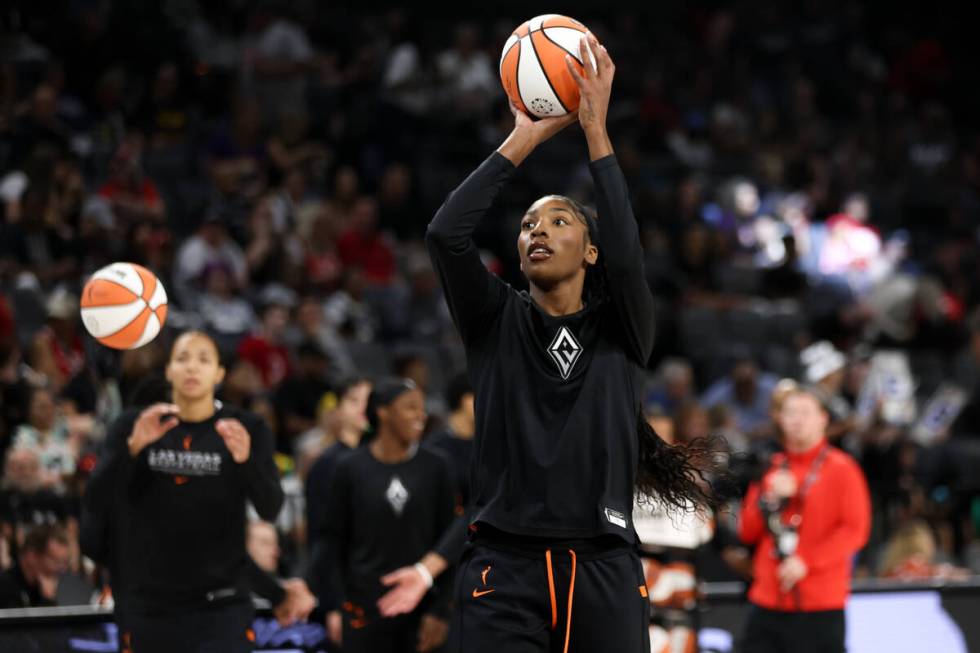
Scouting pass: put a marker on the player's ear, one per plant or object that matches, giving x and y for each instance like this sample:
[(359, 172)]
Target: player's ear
[(220, 375), (591, 254)]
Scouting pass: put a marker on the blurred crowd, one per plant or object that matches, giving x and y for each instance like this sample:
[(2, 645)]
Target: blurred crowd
[(806, 178)]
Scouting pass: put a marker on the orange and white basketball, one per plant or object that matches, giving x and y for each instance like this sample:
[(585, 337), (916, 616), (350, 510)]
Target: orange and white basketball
[(124, 306), (533, 69)]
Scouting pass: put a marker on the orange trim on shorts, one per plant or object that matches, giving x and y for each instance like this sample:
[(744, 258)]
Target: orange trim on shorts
[(551, 588), (571, 595), (643, 591)]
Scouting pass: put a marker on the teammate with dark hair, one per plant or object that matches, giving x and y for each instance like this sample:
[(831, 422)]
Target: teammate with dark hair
[(389, 503), (561, 444), (181, 474)]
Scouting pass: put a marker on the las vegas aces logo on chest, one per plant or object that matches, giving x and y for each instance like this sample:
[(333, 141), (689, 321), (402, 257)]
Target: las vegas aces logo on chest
[(565, 351)]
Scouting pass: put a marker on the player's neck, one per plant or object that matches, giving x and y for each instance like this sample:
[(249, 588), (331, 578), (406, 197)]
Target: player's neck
[(563, 298), (390, 450), (195, 410), (350, 436), (804, 448)]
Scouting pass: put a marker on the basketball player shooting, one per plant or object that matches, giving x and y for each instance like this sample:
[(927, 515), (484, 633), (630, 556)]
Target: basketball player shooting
[(561, 444)]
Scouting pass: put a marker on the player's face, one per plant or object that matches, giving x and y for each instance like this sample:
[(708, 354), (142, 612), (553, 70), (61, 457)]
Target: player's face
[(803, 421), (194, 369), (405, 416), (553, 243)]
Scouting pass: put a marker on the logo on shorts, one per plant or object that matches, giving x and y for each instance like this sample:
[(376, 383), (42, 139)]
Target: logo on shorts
[(397, 495), (483, 577), (565, 350)]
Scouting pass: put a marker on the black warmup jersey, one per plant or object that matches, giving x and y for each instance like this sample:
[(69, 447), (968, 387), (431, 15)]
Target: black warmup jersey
[(318, 483), (185, 498), (459, 451), (318, 486), (557, 398), (383, 517)]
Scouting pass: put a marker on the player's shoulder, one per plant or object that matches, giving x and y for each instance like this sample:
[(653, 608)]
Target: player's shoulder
[(123, 423), (437, 459), (347, 458)]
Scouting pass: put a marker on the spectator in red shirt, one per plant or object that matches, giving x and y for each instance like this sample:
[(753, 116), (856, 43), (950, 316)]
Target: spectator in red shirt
[(807, 518), (364, 246), (265, 350)]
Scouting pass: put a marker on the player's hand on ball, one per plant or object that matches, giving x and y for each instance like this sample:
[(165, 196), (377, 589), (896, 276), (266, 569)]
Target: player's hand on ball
[(595, 86), (149, 427), (236, 438), (538, 131)]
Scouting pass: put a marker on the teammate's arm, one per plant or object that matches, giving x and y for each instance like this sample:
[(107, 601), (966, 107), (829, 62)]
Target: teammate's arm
[(409, 584), (251, 449)]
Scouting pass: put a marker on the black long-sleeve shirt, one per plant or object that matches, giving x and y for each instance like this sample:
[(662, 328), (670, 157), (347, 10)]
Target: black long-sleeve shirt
[(184, 499), (557, 398), (459, 452), (318, 485), (381, 517)]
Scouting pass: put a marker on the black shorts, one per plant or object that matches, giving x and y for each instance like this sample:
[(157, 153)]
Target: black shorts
[(219, 629), (554, 600), (392, 635)]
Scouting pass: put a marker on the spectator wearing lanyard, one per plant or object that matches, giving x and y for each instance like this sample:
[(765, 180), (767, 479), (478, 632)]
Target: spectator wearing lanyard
[(807, 518)]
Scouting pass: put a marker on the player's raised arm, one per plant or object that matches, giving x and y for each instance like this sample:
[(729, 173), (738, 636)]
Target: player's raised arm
[(471, 290), (619, 236)]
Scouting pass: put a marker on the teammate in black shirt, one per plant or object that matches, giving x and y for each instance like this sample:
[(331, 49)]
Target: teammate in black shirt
[(389, 503), (349, 422), (456, 440), (560, 440), (183, 473)]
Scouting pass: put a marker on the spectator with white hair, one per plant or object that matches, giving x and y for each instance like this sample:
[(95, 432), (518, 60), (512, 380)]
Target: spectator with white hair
[(673, 386)]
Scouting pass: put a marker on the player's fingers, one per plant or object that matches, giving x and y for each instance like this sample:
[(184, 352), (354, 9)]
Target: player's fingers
[(607, 60), (579, 80), (569, 118), (392, 578), (583, 49), (156, 410), (387, 603)]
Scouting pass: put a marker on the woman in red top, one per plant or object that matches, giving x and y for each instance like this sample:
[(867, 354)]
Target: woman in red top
[(807, 518)]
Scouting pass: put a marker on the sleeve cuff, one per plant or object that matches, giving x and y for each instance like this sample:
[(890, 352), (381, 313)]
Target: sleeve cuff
[(501, 161), (607, 161)]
